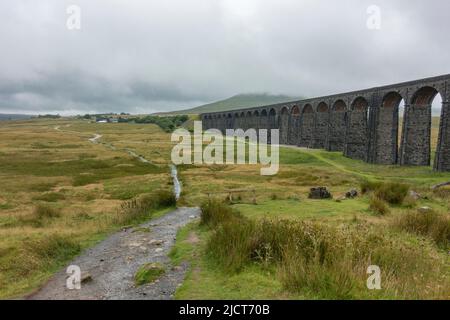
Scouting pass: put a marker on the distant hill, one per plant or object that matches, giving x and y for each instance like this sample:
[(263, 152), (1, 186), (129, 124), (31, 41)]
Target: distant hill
[(5, 116), (238, 102)]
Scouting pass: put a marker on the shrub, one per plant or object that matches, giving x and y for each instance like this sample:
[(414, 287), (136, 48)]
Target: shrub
[(378, 206), (431, 224), (393, 192), (215, 212)]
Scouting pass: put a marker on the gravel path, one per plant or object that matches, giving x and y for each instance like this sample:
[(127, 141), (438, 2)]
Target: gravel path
[(111, 264)]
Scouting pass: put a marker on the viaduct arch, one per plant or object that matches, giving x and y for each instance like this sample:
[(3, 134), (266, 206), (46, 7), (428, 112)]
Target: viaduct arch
[(362, 124)]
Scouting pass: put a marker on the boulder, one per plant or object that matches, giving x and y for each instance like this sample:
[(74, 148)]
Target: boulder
[(319, 193), (414, 195), (351, 194), (86, 277)]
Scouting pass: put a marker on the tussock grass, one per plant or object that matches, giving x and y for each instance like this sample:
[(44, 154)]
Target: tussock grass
[(378, 206), (443, 193), (321, 260), (148, 273), (391, 192), (41, 215), (42, 211), (431, 224), (215, 212), (43, 253), (144, 206)]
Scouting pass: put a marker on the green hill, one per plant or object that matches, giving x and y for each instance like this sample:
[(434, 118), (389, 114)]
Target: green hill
[(238, 102)]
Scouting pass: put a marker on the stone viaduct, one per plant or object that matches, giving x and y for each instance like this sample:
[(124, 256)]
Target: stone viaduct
[(362, 124)]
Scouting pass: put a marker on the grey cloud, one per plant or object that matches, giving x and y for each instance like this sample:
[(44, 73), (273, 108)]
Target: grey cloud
[(147, 56)]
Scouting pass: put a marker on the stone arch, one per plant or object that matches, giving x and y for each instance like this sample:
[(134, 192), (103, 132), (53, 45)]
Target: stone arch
[(424, 96), (356, 144), (307, 126), (284, 125), (321, 126), (248, 120), (338, 125), (239, 124), (416, 135), (263, 120), (237, 121), (219, 122), (229, 121), (256, 119), (294, 126), (387, 128), (272, 121)]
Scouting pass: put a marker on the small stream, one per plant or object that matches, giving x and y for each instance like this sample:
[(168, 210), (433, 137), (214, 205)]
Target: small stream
[(176, 182)]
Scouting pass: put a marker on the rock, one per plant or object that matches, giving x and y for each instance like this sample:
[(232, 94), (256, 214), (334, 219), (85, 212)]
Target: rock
[(86, 277), (126, 228), (351, 194), (158, 250), (134, 244), (156, 242), (319, 193), (414, 195), (191, 217), (425, 210), (177, 268)]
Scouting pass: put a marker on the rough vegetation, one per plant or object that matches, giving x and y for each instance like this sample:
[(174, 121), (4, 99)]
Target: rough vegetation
[(148, 273), (322, 260), (61, 193)]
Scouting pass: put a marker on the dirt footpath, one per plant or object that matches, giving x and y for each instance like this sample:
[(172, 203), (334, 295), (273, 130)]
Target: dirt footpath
[(109, 267)]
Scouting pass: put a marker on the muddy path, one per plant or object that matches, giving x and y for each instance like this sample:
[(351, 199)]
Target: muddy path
[(110, 266)]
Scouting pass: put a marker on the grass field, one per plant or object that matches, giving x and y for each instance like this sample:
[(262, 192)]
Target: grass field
[(60, 193)]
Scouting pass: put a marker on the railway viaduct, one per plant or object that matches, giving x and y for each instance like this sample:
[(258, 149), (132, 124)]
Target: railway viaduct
[(362, 124)]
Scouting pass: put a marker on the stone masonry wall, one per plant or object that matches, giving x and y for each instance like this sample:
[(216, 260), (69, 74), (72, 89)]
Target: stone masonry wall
[(364, 126)]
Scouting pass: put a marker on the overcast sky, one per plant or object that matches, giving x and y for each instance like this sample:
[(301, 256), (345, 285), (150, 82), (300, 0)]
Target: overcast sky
[(143, 56)]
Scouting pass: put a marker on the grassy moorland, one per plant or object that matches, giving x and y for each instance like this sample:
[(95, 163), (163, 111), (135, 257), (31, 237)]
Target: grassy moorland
[(287, 246), (60, 193)]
